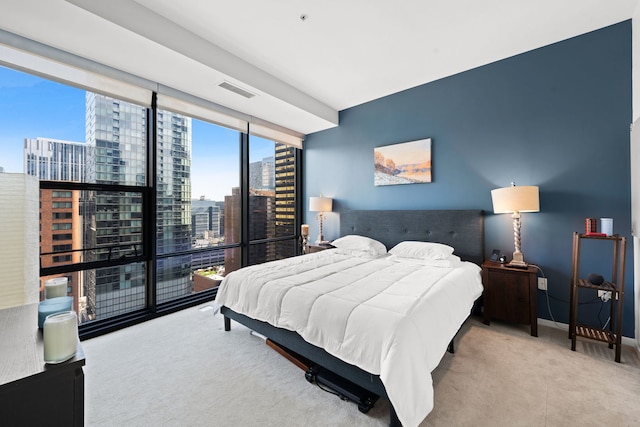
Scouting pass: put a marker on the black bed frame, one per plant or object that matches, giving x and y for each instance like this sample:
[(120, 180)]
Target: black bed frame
[(461, 229)]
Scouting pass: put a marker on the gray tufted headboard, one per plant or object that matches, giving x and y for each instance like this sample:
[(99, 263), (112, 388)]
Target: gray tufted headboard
[(461, 229)]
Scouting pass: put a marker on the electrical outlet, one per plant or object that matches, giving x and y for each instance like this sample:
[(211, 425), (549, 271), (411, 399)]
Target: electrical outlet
[(604, 295), (542, 283)]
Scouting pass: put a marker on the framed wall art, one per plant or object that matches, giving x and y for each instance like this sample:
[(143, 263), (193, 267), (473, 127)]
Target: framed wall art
[(404, 163)]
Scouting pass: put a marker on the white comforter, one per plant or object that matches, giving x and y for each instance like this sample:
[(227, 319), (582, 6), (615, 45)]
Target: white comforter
[(394, 319)]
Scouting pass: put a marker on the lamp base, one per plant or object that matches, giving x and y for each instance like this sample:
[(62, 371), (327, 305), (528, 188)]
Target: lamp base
[(518, 260), (513, 264)]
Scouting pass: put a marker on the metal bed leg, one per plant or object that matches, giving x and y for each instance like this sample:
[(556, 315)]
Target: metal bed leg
[(393, 417), (451, 348), (227, 324)]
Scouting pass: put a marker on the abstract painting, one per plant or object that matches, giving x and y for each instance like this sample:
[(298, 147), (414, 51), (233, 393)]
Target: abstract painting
[(404, 163)]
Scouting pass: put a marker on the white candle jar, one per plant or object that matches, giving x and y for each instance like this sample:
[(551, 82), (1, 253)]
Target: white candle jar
[(60, 335), (54, 288), (606, 226)]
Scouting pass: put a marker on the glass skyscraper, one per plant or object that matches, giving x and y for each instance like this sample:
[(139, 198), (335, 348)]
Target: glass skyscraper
[(116, 137), (173, 190)]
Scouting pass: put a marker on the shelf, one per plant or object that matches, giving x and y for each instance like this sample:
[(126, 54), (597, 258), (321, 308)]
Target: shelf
[(616, 286), (596, 334), (606, 286), (588, 236)]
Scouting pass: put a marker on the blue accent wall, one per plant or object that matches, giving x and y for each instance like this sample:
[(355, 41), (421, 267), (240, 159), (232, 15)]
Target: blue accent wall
[(557, 117)]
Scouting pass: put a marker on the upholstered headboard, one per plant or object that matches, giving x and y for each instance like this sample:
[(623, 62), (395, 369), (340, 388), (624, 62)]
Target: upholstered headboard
[(461, 229)]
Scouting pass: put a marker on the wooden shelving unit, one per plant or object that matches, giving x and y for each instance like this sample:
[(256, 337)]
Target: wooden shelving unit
[(611, 336)]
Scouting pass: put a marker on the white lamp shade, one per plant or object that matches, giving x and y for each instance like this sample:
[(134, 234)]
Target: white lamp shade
[(320, 204), (515, 199)]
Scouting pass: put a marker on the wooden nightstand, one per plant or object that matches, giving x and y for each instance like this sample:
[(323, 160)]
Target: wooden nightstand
[(510, 294), (317, 248)]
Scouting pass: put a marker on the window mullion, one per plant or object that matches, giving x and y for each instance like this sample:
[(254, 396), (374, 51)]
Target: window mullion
[(244, 190), (151, 208)]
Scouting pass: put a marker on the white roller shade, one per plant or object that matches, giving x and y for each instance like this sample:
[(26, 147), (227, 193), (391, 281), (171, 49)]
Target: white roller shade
[(20, 248), (275, 133), (198, 108), (192, 106), (46, 61), (56, 65)]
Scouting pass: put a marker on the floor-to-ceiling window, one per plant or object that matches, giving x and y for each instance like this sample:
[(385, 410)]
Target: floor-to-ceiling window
[(143, 209), (272, 200), (198, 237), (90, 153)]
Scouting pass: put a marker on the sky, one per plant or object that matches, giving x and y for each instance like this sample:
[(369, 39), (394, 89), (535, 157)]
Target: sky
[(415, 152), (32, 107)]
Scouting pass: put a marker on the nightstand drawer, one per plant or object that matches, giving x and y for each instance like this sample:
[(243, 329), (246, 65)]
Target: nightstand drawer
[(510, 294)]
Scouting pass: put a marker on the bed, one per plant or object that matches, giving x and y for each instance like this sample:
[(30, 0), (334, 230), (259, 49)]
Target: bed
[(385, 334)]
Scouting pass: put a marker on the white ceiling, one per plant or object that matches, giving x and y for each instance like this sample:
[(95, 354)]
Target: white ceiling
[(346, 52)]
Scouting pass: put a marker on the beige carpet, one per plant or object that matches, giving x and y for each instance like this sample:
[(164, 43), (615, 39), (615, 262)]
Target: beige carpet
[(184, 370)]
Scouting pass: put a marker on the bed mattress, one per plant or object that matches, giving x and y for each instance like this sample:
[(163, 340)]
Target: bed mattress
[(388, 317)]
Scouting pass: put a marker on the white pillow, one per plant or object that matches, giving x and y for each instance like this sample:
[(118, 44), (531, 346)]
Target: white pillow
[(357, 254), (405, 260), (451, 262), (354, 242), (422, 250)]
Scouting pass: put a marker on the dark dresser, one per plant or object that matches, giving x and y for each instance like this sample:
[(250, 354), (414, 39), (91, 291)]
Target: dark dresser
[(31, 392)]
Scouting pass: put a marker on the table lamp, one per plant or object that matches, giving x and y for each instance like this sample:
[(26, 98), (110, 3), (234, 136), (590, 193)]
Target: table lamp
[(304, 233), (515, 200), (321, 205)]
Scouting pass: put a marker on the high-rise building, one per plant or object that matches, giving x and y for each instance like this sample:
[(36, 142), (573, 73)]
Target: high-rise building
[(262, 174), (200, 224), (285, 188), (116, 133), (255, 174), (232, 228), (55, 160), (212, 210), (220, 205), (268, 172), (262, 226), (116, 144), (174, 136)]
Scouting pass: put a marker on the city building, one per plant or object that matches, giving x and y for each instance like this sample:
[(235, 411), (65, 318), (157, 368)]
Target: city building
[(200, 224), (173, 274), (55, 160), (285, 192), (213, 211), (116, 137)]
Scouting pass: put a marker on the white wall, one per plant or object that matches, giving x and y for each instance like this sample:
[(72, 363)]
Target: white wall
[(635, 218), (635, 160), (635, 58)]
